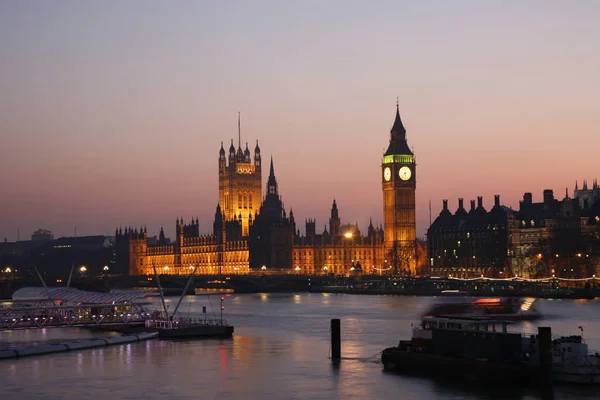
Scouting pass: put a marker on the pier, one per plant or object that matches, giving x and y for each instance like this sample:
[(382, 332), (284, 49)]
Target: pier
[(75, 345)]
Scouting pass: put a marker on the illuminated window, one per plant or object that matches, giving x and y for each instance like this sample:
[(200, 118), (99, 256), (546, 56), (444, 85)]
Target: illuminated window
[(245, 201), (239, 200), (532, 223), (250, 200)]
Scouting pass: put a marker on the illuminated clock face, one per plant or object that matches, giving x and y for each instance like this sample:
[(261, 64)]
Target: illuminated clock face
[(387, 174), (404, 173)]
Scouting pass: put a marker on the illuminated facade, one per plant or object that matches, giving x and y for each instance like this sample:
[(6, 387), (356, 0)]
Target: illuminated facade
[(240, 183), (223, 251), (399, 183), (250, 234), (556, 237), (341, 250)]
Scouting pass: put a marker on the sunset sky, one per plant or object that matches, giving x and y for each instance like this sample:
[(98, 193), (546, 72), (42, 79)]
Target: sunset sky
[(112, 113)]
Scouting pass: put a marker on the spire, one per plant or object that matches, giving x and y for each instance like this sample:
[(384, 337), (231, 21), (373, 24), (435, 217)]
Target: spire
[(272, 182), (398, 127), (239, 131), (398, 145)]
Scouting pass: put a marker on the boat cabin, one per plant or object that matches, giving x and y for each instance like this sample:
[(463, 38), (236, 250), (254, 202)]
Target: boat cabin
[(428, 324)]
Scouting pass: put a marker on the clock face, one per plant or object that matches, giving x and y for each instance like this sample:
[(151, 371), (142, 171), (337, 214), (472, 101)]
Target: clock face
[(404, 173), (387, 174)]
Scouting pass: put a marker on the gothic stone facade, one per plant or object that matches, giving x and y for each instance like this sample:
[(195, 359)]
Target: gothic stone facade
[(250, 235)]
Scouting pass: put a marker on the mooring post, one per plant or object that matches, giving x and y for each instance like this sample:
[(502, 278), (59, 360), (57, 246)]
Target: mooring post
[(336, 342), (545, 351)]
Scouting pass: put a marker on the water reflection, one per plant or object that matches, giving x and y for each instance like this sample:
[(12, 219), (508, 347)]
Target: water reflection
[(280, 350)]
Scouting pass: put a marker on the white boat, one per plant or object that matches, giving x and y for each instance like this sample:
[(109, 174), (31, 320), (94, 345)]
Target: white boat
[(572, 361)]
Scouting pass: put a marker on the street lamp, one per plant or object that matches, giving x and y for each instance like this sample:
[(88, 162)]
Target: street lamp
[(82, 269), (105, 268)]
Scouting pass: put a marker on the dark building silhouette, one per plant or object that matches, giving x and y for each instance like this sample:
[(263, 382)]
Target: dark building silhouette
[(271, 238), (469, 243)]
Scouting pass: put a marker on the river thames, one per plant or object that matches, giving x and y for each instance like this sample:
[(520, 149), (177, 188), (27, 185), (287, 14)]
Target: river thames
[(280, 350)]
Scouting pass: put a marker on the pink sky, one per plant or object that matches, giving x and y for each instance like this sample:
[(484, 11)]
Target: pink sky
[(113, 114)]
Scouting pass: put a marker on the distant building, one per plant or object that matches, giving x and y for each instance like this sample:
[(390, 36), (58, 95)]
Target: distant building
[(341, 249), (556, 237), (42, 234), (469, 243)]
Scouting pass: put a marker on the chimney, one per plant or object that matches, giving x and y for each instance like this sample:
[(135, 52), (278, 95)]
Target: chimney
[(472, 205), (460, 203), (496, 200), (527, 198), (479, 202), (548, 196), (445, 202)]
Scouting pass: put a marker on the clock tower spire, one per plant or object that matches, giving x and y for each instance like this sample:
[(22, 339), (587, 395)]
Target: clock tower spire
[(399, 182)]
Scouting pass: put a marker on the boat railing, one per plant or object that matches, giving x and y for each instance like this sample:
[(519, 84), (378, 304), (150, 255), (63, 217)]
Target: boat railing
[(183, 323)]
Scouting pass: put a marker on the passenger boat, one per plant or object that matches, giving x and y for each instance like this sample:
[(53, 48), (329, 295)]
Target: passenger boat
[(492, 308), (468, 348), (483, 349), (187, 328)]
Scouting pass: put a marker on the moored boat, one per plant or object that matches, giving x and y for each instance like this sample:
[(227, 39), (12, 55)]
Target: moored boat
[(572, 361), (190, 328), (483, 349)]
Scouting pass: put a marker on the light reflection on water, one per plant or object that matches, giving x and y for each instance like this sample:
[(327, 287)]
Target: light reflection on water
[(280, 350)]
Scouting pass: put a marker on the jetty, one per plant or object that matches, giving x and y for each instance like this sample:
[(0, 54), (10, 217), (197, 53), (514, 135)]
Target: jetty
[(74, 345)]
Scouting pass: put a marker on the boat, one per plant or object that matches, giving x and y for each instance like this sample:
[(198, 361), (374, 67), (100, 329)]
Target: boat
[(468, 348), (484, 349), (572, 361), (492, 308), (187, 328), (172, 327)]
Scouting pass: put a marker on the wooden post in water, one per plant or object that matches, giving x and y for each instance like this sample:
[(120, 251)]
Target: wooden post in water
[(336, 341), (545, 351)]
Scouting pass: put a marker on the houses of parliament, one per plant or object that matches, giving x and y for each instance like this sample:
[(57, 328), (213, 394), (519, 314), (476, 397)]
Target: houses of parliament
[(255, 233)]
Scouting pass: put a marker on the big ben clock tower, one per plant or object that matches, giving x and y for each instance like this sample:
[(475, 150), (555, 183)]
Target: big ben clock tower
[(399, 182)]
